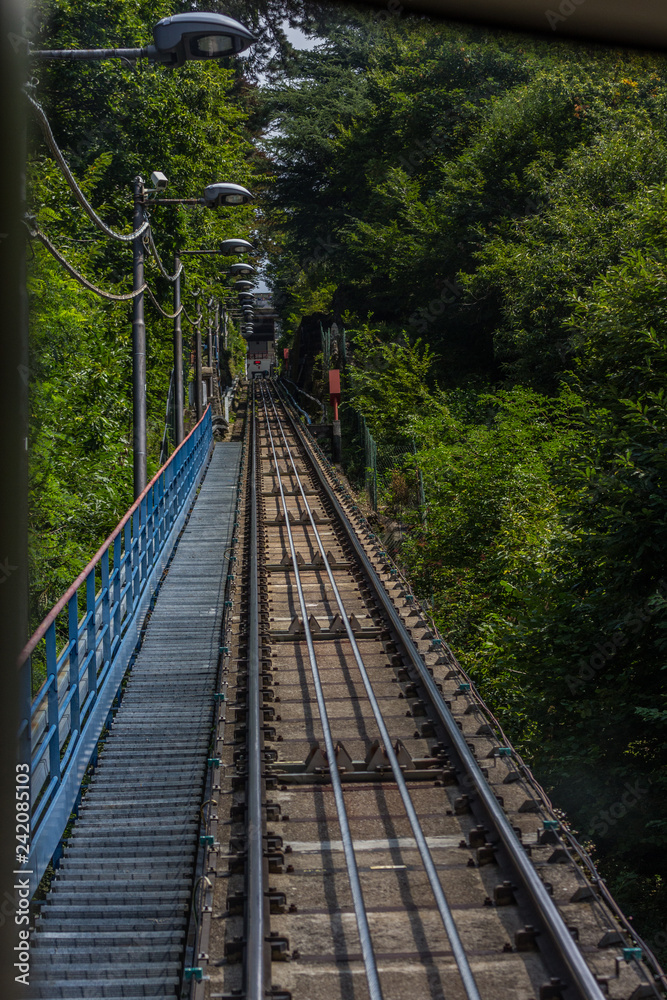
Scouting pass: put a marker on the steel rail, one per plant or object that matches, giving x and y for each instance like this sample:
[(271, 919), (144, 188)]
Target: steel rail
[(561, 937), (368, 954), (458, 950), (254, 967)]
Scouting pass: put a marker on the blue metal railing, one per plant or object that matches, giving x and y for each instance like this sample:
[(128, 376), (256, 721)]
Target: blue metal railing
[(61, 725), (294, 402)]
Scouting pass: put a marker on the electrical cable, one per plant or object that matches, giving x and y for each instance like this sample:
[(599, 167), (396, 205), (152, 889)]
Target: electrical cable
[(69, 177), (150, 244), (36, 233), (192, 322), (318, 401), (159, 307)]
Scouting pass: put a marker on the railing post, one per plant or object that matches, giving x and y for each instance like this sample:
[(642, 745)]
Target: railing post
[(136, 568), (127, 563), (90, 633), (150, 530), (75, 702), (52, 704), (143, 540), (106, 608), (117, 586)]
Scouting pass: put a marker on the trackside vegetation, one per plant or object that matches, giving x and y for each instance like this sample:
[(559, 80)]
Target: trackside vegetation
[(484, 214)]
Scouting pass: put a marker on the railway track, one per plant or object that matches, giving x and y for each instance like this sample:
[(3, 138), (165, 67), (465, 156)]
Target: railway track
[(301, 796), (373, 835)]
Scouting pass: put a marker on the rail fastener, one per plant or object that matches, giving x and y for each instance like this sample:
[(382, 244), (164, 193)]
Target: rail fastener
[(195, 972)]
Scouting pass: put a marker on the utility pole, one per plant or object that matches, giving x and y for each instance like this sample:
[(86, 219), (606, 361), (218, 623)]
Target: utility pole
[(198, 376), (179, 432), (138, 348), (209, 344)]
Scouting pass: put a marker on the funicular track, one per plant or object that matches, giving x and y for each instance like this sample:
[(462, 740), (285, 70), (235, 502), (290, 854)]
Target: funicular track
[(376, 838)]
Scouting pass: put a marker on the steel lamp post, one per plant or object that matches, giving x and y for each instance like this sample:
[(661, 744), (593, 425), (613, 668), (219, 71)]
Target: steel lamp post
[(177, 39), (216, 194)]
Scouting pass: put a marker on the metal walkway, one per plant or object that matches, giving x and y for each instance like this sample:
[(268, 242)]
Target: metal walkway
[(115, 920)]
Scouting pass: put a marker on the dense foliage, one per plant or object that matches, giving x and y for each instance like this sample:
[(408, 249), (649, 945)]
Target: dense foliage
[(114, 121), (485, 214)]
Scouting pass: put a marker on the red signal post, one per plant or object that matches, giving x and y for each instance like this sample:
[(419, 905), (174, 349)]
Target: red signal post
[(334, 396), (334, 390)]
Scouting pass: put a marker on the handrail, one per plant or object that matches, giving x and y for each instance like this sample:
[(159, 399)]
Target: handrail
[(62, 723), (40, 632), (304, 393)]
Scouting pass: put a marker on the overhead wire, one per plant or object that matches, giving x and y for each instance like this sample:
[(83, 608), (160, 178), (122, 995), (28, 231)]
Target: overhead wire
[(36, 233), (159, 307), (191, 321), (150, 243), (71, 180)]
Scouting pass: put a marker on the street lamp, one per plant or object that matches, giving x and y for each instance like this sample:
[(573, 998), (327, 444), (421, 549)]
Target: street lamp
[(243, 286), (215, 196), (241, 269), (195, 35), (227, 247), (237, 246), (200, 35)]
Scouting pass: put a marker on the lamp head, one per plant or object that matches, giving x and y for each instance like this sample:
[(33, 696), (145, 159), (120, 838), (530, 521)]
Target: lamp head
[(229, 247), (218, 195), (242, 269), (198, 35)]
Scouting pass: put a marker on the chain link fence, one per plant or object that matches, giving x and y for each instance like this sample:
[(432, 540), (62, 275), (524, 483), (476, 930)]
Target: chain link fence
[(381, 464), (386, 468)]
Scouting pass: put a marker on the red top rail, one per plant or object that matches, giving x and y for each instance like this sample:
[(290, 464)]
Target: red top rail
[(67, 596)]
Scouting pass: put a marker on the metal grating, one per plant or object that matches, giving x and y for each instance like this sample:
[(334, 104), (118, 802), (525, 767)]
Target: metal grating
[(115, 921)]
